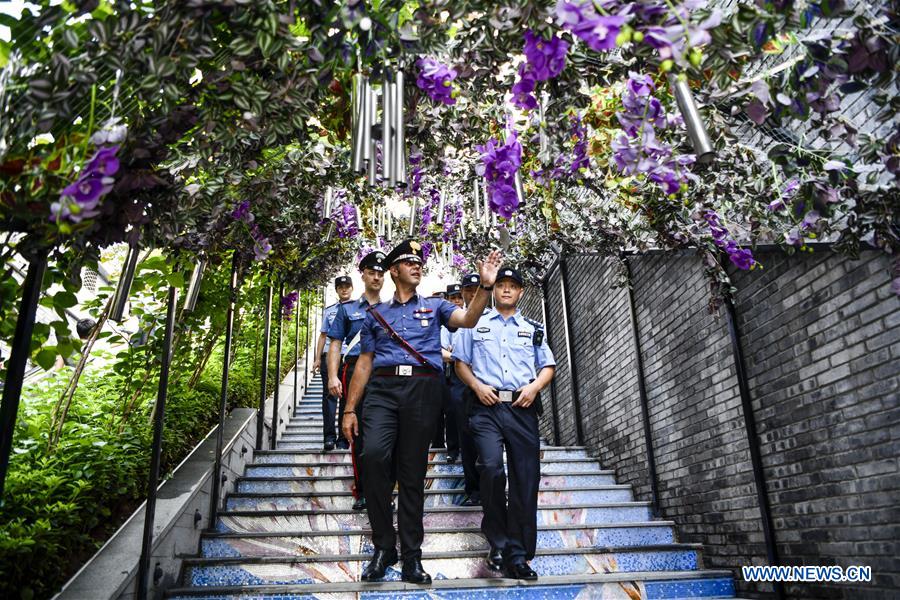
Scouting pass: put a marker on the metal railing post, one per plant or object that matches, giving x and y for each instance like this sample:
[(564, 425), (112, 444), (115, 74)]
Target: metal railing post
[(573, 370), (216, 483), (554, 410), (306, 345), (261, 411), (277, 396), (156, 448), (296, 348), (759, 477), (18, 358), (642, 391)]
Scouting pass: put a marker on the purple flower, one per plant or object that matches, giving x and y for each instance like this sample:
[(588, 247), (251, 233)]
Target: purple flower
[(546, 58), (582, 19), (80, 200), (242, 212), (287, 304), (103, 163), (459, 262), (523, 88), (742, 258), (436, 80), (345, 220), (85, 191), (500, 165)]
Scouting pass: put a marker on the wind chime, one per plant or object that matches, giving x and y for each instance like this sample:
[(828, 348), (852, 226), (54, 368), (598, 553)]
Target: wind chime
[(366, 97), (693, 122)]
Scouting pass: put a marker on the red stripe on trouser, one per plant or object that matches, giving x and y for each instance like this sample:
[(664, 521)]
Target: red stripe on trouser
[(345, 391)]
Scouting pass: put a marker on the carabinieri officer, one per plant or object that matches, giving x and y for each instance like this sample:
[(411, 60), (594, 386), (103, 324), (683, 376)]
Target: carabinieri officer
[(401, 351), (506, 362), (345, 332)]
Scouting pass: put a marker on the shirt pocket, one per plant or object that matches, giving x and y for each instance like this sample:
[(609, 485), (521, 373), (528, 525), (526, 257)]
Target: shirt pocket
[(484, 344)]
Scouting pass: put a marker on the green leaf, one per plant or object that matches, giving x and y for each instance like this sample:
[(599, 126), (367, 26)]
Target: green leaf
[(175, 279), (65, 299), (46, 358)]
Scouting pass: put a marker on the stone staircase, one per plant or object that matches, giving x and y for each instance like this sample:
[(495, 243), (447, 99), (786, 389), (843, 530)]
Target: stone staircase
[(288, 533)]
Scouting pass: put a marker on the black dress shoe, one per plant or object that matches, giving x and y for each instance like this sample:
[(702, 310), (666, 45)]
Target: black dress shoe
[(360, 504), (495, 559), (520, 570), (414, 573), (343, 445), (452, 458), (381, 560), (329, 446), (471, 500)]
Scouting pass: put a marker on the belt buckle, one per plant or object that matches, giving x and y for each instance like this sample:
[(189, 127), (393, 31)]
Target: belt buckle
[(404, 370), (506, 396)]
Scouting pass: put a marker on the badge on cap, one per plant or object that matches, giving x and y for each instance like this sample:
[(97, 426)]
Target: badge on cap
[(415, 245)]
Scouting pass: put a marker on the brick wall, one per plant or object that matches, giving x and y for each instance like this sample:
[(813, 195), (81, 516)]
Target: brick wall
[(821, 337)]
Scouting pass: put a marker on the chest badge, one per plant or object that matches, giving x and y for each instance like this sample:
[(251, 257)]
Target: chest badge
[(424, 322)]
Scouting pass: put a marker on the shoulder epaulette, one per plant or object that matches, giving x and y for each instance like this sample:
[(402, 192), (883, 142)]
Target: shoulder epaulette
[(537, 324), (348, 301)]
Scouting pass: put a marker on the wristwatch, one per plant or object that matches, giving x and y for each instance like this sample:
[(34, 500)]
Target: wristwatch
[(486, 288)]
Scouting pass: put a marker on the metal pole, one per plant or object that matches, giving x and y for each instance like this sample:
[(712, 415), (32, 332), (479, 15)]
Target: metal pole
[(216, 483), (553, 407), (261, 412), (18, 357), (156, 450), (573, 371), (759, 477), (642, 391), (296, 348), (275, 399)]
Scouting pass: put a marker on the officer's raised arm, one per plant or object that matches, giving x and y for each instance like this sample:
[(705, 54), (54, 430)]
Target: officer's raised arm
[(349, 424), (469, 317)]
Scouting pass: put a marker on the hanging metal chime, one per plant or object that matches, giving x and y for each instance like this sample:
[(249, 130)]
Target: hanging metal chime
[(520, 189), (388, 176), (123, 288), (441, 204), (476, 198), (693, 122), (361, 127), (193, 291), (372, 109), (399, 122), (328, 202), (412, 217)]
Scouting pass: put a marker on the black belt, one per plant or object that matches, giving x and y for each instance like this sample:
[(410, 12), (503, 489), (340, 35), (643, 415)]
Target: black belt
[(405, 371)]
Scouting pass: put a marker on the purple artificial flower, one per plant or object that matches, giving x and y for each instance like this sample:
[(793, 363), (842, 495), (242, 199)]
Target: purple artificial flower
[(793, 237), (522, 89), (345, 220), (85, 191), (242, 212), (459, 262), (436, 80), (500, 165), (810, 220), (582, 19), (287, 304), (104, 163)]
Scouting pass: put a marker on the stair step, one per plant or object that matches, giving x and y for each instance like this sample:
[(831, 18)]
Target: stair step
[(458, 531), (315, 453), (276, 458), (311, 515), (259, 481), (291, 471), (452, 497), (450, 565), (646, 585)]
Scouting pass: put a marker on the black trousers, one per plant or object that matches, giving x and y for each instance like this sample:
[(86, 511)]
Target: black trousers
[(346, 375), (512, 527), (468, 450), (398, 421), (329, 405)]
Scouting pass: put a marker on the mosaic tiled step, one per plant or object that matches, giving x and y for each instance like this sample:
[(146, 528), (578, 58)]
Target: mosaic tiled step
[(658, 585), (259, 476), (316, 455), (436, 539), (450, 565), (433, 497), (317, 518), (303, 468)]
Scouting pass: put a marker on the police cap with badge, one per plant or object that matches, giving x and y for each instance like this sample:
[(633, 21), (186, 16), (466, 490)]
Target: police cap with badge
[(407, 250), (373, 260), (510, 273), (342, 280), (454, 289), (470, 280), (507, 272)]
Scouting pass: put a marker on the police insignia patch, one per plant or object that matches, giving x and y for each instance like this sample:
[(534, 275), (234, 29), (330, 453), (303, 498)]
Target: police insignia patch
[(484, 329), (415, 246)]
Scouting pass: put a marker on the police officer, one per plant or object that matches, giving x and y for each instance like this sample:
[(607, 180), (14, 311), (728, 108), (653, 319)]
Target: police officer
[(506, 362), (401, 353), (343, 285), (345, 332)]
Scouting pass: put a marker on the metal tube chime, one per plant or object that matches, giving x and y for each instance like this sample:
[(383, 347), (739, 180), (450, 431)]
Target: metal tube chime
[(369, 139), (388, 175), (441, 204), (156, 449), (412, 217), (123, 288), (193, 291), (275, 399), (476, 198), (216, 483), (261, 411), (399, 123), (693, 122), (360, 111)]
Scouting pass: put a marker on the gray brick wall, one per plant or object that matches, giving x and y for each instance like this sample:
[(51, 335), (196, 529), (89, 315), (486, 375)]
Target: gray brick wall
[(821, 337)]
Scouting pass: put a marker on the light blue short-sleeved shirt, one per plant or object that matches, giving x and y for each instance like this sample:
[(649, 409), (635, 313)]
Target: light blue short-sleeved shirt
[(418, 321), (328, 316), (502, 352), (446, 339)]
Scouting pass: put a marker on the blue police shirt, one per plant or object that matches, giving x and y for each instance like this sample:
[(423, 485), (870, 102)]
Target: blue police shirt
[(327, 319), (347, 323), (501, 351), (418, 321), (446, 339)]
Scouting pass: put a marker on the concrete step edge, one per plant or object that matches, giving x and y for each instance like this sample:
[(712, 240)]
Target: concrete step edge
[(300, 513), (454, 491)]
